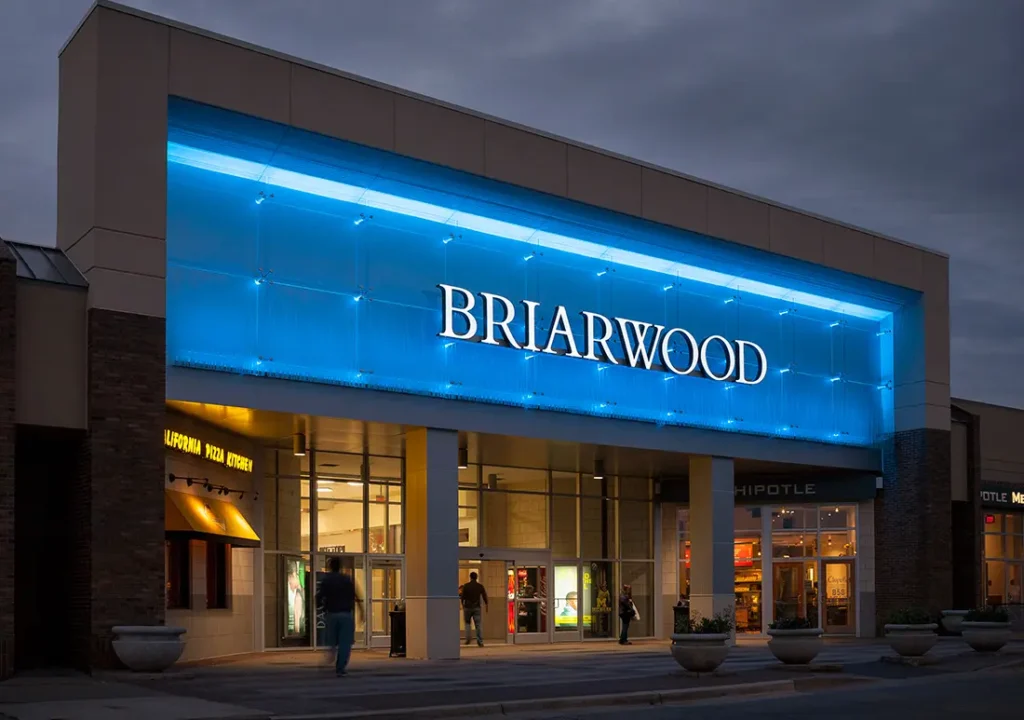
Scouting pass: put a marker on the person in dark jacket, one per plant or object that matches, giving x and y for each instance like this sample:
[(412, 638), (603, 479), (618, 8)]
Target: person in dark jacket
[(472, 594), (337, 595), (627, 611)]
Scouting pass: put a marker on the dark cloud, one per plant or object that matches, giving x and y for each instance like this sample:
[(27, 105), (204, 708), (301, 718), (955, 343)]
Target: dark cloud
[(902, 117)]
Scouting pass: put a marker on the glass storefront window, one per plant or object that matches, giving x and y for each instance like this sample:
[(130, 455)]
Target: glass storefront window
[(838, 543), (640, 577), (838, 517), (747, 559), (794, 519), (794, 545), (515, 507), (600, 599), (564, 531), (635, 530), (995, 575), (1004, 558), (795, 585), (597, 527), (469, 518)]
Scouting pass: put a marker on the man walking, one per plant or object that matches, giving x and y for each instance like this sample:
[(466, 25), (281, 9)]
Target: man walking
[(337, 595), (472, 594)]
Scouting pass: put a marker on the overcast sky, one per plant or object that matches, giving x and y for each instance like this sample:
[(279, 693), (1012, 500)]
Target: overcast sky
[(901, 116)]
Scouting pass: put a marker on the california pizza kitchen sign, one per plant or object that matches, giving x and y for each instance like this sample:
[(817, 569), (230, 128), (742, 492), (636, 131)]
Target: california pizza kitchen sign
[(645, 345)]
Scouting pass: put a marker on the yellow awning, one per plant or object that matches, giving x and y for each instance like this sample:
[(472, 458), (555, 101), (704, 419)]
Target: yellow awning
[(206, 518)]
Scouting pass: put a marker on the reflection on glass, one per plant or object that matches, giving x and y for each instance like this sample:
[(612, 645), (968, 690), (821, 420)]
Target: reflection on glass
[(795, 585), (794, 545), (838, 544), (794, 519), (640, 578), (353, 567), (386, 588), (599, 599), (529, 586), (995, 573)]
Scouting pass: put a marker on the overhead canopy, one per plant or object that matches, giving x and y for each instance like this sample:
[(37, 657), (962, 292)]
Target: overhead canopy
[(207, 519)]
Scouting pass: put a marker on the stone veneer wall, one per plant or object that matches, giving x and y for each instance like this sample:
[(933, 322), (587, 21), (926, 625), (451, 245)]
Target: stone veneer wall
[(117, 563), (913, 524), (8, 282)]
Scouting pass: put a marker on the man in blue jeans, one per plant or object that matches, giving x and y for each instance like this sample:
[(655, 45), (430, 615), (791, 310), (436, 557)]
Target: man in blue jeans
[(337, 595), (472, 594)]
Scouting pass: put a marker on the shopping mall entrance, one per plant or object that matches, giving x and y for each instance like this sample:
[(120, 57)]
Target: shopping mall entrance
[(518, 585)]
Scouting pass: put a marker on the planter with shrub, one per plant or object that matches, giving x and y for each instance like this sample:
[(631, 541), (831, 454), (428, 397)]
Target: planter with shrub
[(703, 644), (794, 641), (986, 629), (911, 632), (952, 620)]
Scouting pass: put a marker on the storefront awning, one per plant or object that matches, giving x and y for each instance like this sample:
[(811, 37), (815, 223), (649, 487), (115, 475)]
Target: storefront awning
[(207, 519)]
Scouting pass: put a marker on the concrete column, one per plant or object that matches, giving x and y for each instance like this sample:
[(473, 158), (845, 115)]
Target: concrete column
[(432, 543), (712, 574)]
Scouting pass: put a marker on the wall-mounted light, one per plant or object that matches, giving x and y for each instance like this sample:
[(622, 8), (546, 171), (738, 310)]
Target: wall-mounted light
[(599, 469), (463, 458)]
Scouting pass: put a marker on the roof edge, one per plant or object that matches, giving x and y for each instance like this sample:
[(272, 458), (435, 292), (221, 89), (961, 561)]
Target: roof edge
[(163, 20)]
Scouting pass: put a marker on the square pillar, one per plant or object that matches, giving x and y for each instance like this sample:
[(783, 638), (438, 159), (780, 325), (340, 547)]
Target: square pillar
[(712, 572), (432, 544)]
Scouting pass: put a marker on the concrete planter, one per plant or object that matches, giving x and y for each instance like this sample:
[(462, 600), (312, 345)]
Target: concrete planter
[(986, 636), (952, 620), (911, 640), (148, 648), (795, 647), (698, 652)]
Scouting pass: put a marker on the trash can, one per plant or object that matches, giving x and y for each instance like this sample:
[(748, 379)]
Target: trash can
[(681, 619), (397, 633)]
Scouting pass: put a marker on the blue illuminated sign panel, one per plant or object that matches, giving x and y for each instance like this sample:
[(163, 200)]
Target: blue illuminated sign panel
[(298, 257)]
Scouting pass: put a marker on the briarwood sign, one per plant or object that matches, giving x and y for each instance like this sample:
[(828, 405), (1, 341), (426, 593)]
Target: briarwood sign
[(645, 345)]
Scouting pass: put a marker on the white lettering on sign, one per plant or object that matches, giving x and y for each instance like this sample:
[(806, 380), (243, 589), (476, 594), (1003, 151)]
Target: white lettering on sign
[(645, 345), (776, 489), (1003, 497)]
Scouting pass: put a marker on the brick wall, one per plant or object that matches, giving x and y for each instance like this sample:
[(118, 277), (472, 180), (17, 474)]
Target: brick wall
[(118, 576), (8, 281), (913, 525)]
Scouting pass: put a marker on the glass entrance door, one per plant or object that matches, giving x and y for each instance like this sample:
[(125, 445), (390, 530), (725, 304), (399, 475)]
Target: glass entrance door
[(385, 593), (840, 592), (527, 602), (795, 587)]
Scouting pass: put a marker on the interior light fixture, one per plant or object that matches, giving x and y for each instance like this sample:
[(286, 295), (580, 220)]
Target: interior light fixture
[(288, 179), (599, 469), (463, 458)]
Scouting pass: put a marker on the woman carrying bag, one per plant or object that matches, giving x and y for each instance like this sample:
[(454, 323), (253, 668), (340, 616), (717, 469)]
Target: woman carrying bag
[(627, 613)]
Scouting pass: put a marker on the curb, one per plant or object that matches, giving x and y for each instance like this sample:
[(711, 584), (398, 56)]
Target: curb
[(652, 697)]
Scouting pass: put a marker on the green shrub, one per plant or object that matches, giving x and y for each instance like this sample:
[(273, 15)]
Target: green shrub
[(794, 623), (994, 614), (911, 616), (720, 624)]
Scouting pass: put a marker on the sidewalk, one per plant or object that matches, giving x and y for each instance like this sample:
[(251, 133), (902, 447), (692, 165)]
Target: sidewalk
[(500, 679)]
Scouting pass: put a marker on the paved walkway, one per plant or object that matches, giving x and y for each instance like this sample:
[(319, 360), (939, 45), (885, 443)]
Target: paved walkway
[(295, 683)]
